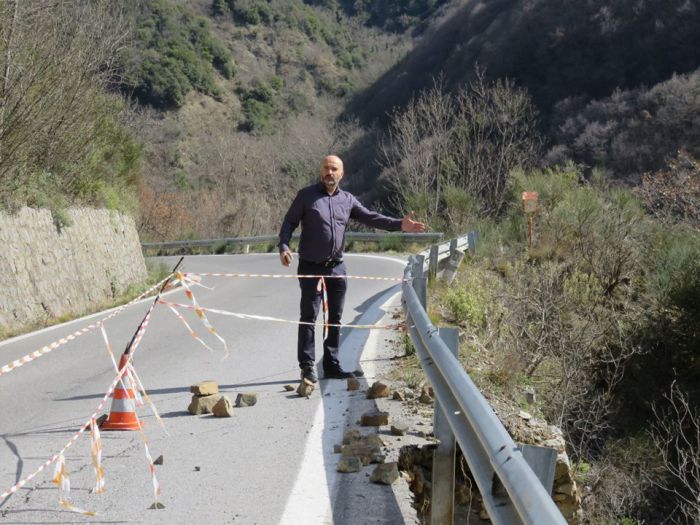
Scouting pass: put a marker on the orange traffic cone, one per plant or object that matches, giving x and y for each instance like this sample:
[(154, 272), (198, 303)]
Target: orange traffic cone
[(123, 413)]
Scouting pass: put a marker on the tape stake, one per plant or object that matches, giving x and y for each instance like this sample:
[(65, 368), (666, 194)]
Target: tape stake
[(96, 448)]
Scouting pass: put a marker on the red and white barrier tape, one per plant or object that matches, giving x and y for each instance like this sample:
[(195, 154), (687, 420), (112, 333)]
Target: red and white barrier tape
[(52, 346), (394, 326), (287, 276), (86, 425)]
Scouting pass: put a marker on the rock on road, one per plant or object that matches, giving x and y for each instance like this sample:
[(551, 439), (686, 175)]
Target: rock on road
[(271, 463)]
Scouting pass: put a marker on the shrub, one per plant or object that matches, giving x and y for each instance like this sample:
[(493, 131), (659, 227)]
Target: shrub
[(173, 54)]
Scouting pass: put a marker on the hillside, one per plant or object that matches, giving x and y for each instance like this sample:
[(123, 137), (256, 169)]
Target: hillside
[(599, 74)]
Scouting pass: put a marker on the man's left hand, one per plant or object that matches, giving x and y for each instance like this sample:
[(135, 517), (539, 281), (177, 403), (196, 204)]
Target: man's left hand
[(410, 226)]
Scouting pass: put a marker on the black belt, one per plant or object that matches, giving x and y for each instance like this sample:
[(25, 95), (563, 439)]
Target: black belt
[(325, 264)]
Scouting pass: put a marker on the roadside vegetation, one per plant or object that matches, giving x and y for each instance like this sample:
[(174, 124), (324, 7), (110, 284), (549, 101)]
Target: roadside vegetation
[(599, 316)]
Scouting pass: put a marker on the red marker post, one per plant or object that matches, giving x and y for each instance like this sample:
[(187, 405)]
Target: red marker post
[(530, 207)]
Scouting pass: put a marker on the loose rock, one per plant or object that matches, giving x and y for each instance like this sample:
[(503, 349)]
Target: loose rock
[(374, 419), (158, 460), (205, 388), (305, 389), (203, 404), (351, 435), (289, 388), (426, 395), (399, 428), (385, 473), (349, 464), (399, 396), (377, 390), (247, 399), (223, 407), (353, 383)]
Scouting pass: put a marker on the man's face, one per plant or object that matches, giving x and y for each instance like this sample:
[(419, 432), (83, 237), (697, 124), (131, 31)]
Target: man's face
[(331, 172)]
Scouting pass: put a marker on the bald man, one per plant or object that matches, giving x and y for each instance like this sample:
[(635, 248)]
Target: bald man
[(324, 210)]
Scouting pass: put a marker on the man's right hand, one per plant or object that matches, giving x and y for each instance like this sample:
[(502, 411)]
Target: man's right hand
[(286, 258)]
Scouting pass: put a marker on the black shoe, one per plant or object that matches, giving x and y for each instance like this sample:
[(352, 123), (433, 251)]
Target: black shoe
[(309, 374), (336, 373)]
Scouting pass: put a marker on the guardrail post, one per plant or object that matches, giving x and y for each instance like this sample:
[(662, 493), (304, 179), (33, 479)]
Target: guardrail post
[(420, 284), (433, 262), (472, 239), (453, 247), (442, 503)]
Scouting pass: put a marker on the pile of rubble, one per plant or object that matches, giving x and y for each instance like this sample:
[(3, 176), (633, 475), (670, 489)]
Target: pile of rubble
[(206, 399)]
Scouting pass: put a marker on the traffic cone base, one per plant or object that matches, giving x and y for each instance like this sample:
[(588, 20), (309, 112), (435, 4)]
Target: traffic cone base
[(123, 413)]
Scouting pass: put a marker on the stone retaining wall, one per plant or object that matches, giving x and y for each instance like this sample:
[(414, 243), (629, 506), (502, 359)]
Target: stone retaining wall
[(49, 272)]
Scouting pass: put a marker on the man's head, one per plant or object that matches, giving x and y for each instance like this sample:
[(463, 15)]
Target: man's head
[(331, 172)]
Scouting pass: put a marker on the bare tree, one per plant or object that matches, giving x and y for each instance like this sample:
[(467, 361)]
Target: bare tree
[(676, 435), (57, 59), (496, 134), (417, 151)]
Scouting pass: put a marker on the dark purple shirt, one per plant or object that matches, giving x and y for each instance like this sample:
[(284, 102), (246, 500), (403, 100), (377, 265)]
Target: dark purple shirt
[(323, 221)]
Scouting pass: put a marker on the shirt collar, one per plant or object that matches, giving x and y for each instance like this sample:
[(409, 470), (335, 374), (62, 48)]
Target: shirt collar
[(322, 189)]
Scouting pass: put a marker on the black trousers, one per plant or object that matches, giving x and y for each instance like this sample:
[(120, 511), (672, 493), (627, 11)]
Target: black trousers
[(309, 307)]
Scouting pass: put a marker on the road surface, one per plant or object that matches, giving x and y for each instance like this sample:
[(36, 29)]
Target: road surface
[(271, 463)]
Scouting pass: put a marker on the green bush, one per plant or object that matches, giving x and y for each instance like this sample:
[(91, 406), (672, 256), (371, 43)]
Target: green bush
[(174, 53), (464, 306)]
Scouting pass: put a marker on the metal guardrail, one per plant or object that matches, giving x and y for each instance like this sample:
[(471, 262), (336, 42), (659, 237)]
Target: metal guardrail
[(511, 491), (262, 239)]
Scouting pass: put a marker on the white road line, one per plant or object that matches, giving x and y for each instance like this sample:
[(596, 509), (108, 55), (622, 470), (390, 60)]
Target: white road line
[(316, 484)]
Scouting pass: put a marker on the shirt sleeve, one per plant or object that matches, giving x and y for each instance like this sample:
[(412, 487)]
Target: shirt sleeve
[(290, 222), (373, 219)]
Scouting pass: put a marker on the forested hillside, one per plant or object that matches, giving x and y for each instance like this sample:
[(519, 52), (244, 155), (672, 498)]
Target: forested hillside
[(202, 118)]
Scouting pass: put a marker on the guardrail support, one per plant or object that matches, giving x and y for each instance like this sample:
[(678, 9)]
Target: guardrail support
[(442, 503), (433, 262), (420, 283)]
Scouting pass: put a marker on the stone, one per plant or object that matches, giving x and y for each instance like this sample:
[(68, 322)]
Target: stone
[(567, 488), (156, 506), (398, 396), (374, 419), (360, 450), (373, 439), (530, 396), (353, 383), (203, 404), (524, 415), (289, 388), (377, 458), (385, 473), (351, 435), (349, 464), (399, 428), (205, 388), (426, 395), (378, 390), (246, 399), (223, 407), (305, 389), (158, 460)]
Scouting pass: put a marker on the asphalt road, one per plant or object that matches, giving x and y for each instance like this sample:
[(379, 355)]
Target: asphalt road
[(271, 463)]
